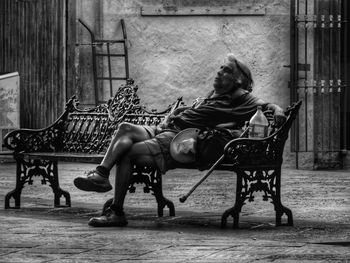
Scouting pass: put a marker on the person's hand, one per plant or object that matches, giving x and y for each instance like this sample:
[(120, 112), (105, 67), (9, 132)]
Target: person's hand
[(179, 110), (164, 124), (169, 118), (269, 115)]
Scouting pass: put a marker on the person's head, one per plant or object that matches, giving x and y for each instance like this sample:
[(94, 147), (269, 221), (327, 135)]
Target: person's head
[(232, 75)]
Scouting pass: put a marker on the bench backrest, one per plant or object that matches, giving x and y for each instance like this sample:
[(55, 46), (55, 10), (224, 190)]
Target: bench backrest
[(85, 130), (90, 131)]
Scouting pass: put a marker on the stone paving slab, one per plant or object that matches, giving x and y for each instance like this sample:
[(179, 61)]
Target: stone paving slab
[(320, 201)]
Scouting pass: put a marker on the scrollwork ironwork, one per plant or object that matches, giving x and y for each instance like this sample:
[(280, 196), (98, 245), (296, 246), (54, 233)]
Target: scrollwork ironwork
[(78, 130), (26, 170), (257, 181), (152, 181)]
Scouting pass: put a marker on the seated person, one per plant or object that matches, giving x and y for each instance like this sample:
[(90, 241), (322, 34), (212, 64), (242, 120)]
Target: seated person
[(230, 100)]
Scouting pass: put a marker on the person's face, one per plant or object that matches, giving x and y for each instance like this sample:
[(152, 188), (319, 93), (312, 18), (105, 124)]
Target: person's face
[(225, 78)]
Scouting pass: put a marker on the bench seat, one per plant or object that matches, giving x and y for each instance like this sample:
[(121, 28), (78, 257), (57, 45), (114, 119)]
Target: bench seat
[(62, 156)]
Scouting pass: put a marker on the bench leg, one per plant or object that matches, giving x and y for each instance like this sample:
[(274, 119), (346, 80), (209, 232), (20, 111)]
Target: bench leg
[(280, 210), (57, 190), (161, 204), (26, 170), (276, 200), (234, 212), (248, 182), (152, 179), (158, 193), (22, 177), (236, 209), (16, 195)]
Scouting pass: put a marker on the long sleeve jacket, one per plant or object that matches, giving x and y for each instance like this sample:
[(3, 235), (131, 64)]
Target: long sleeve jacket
[(236, 107)]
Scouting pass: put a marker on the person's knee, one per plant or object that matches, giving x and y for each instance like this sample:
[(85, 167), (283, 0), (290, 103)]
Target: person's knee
[(124, 128)]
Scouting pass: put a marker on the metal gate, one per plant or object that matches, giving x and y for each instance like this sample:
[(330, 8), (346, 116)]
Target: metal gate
[(32, 42), (319, 68)]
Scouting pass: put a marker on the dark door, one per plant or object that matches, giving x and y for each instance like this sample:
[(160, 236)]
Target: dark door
[(33, 41), (319, 77)]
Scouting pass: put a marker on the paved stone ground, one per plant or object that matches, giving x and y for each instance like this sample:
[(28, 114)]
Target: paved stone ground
[(320, 201)]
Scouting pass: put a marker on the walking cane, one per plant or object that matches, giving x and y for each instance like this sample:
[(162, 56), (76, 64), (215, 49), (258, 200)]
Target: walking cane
[(184, 197)]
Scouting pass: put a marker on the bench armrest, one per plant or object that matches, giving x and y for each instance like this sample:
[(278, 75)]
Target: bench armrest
[(34, 140), (252, 152), (262, 151), (47, 139)]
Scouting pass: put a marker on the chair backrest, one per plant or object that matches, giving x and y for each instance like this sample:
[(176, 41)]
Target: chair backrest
[(145, 117), (90, 130)]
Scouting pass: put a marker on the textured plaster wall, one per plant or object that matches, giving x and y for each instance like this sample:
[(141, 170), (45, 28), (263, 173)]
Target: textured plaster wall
[(179, 56), (173, 56)]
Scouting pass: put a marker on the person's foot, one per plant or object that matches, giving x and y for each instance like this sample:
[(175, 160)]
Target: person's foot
[(110, 218), (92, 181)]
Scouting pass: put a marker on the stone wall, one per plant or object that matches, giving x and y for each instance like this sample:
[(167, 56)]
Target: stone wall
[(180, 55)]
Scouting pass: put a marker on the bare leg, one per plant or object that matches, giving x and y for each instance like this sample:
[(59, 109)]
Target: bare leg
[(122, 141), (139, 155)]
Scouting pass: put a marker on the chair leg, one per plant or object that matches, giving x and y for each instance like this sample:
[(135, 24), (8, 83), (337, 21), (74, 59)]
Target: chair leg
[(152, 181), (24, 174), (280, 210), (16, 195), (21, 178), (54, 183), (234, 212), (276, 200), (156, 185), (58, 194), (237, 208)]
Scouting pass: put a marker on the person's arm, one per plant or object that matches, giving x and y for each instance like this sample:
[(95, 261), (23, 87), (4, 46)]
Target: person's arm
[(277, 110), (278, 113), (178, 110), (171, 115)]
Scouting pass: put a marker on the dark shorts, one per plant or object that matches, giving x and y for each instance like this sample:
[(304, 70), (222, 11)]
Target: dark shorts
[(159, 146)]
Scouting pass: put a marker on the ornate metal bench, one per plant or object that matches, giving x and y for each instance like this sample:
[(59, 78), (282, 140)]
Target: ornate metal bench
[(83, 136)]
